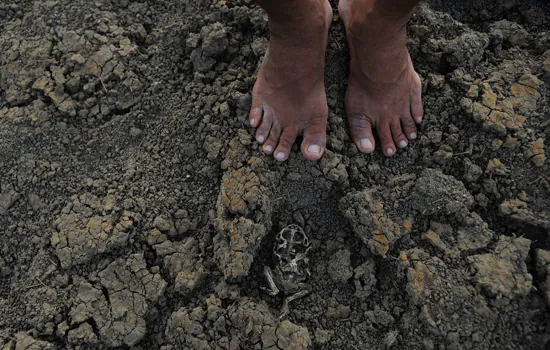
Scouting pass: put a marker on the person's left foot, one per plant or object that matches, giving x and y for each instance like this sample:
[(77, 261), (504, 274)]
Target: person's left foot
[(384, 92)]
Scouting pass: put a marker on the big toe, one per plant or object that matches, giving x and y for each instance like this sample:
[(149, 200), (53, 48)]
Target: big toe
[(315, 139), (361, 132)]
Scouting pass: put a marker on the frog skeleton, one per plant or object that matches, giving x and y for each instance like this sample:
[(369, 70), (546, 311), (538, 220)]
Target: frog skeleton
[(289, 275)]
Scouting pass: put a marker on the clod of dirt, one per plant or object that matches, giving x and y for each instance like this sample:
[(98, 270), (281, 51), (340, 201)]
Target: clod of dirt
[(120, 304), (214, 43), (339, 266), (165, 225), (542, 265), (446, 301), (535, 152), (495, 167), (371, 222), (235, 257), (519, 210), (243, 211), (241, 326), (80, 235), (504, 273), (364, 278), (182, 261), (436, 192), (8, 197), (84, 334), (506, 98), (510, 32), (332, 167), (465, 50), (24, 341)]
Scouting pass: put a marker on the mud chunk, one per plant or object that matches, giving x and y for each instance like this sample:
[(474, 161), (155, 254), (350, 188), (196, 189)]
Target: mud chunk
[(84, 334), (183, 262), (165, 225), (240, 192), (186, 327), (332, 167), (339, 266), (214, 43), (511, 32), (235, 257), (542, 265), (435, 240), (80, 235), (130, 288), (495, 167), (24, 341), (466, 50), (71, 42), (364, 278), (371, 222), (435, 192), (338, 312), (472, 172), (535, 152), (212, 145), (243, 217), (504, 273), (520, 211), (380, 317), (247, 323), (8, 197)]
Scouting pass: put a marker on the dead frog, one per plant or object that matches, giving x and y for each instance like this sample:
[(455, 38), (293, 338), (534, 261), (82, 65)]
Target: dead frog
[(291, 271)]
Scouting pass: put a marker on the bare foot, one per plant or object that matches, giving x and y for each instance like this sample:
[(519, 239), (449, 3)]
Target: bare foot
[(289, 98), (384, 91)]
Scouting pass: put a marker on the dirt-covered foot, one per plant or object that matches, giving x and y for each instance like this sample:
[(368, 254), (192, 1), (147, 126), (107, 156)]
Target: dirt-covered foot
[(289, 98), (384, 91)]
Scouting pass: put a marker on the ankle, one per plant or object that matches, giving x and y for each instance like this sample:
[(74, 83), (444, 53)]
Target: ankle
[(304, 20), (374, 20)]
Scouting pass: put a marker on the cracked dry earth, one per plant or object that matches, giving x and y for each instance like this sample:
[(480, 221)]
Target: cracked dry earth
[(136, 210)]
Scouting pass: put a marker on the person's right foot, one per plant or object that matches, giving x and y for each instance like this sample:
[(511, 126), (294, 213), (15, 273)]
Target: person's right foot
[(384, 91), (289, 98)]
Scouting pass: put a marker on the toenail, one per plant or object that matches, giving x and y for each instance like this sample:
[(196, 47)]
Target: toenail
[(420, 118), (412, 136), (365, 144), (389, 151), (314, 149), (402, 143), (280, 156), (260, 138), (268, 148), (253, 122)]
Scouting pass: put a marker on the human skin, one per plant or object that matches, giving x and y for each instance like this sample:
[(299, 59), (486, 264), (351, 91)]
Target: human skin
[(384, 91)]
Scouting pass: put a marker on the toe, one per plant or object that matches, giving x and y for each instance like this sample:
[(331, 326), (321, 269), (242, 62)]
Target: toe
[(273, 138), (285, 144), (384, 132), (315, 139), (409, 126), (255, 115), (417, 110), (361, 132), (397, 133), (264, 128)]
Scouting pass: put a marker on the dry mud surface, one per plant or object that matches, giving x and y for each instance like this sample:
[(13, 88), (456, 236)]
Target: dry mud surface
[(137, 212)]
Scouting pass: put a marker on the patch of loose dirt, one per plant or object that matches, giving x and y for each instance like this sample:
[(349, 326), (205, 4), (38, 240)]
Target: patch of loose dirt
[(137, 211)]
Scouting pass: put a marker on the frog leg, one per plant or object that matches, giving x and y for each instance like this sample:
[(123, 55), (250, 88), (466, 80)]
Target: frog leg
[(305, 290), (272, 288)]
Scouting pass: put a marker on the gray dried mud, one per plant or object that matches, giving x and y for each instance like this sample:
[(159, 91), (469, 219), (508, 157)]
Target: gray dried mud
[(137, 211)]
